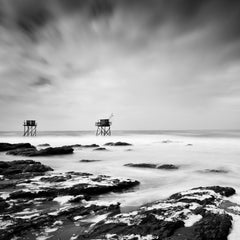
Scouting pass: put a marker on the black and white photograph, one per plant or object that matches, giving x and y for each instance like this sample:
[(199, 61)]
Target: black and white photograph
[(119, 119)]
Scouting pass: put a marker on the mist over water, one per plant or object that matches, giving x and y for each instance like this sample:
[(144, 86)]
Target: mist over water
[(208, 150)]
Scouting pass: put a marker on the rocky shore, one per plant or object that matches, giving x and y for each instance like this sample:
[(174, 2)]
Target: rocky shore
[(34, 198), (198, 214), (37, 202)]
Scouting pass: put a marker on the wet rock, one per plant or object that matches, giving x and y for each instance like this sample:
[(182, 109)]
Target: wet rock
[(72, 184), (42, 152), (55, 179), (3, 205), (141, 165), (172, 219), (90, 146), (151, 165), (21, 168), (44, 145), (88, 160), (100, 149), (117, 144), (73, 146), (214, 171), (40, 202), (9, 146), (167, 167)]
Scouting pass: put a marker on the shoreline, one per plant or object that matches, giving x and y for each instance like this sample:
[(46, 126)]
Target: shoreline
[(102, 208)]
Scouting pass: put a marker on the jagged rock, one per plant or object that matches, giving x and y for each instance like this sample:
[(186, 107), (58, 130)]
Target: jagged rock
[(172, 219), (117, 144), (80, 184), (9, 146), (42, 152), (21, 168), (19, 215), (56, 179)]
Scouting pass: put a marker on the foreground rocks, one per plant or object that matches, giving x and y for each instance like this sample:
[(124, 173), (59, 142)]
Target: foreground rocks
[(45, 200), (151, 165), (197, 214), (33, 152), (39, 203)]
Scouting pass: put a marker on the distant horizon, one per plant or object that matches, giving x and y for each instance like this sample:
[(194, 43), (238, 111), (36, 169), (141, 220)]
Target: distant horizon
[(113, 130)]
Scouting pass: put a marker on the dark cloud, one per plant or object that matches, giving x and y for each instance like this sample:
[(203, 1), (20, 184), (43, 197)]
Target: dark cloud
[(42, 81), (31, 15)]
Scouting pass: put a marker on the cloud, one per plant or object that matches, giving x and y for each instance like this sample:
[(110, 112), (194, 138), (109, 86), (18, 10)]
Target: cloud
[(42, 81), (159, 57)]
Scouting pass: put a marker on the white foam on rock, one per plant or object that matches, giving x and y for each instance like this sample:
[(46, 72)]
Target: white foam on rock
[(49, 230), (192, 219), (235, 233), (74, 237), (63, 199)]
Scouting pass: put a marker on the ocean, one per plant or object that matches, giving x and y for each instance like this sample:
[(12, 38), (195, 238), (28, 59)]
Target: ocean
[(192, 151)]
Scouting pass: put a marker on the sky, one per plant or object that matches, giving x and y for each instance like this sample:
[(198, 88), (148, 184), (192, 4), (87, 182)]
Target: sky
[(154, 64)]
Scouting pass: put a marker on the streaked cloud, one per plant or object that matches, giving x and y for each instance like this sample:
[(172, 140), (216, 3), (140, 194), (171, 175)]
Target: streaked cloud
[(165, 59)]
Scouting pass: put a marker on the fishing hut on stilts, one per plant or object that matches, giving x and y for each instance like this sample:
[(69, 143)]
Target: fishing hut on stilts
[(30, 128), (104, 126)]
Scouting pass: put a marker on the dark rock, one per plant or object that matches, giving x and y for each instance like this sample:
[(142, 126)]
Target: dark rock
[(37, 167), (55, 179), (213, 227), (3, 205), (141, 165), (87, 160), (76, 145), (38, 194), (214, 171), (151, 165), (42, 152), (44, 145), (8, 184), (73, 146), (166, 141), (117, 144), (22, 168), (9, 146), (189, 144), (167, 167), (224, 191), (165, 220), (91, 146), (100, 149)]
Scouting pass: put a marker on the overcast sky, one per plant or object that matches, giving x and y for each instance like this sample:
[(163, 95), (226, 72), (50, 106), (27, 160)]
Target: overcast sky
[(155, 64)]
